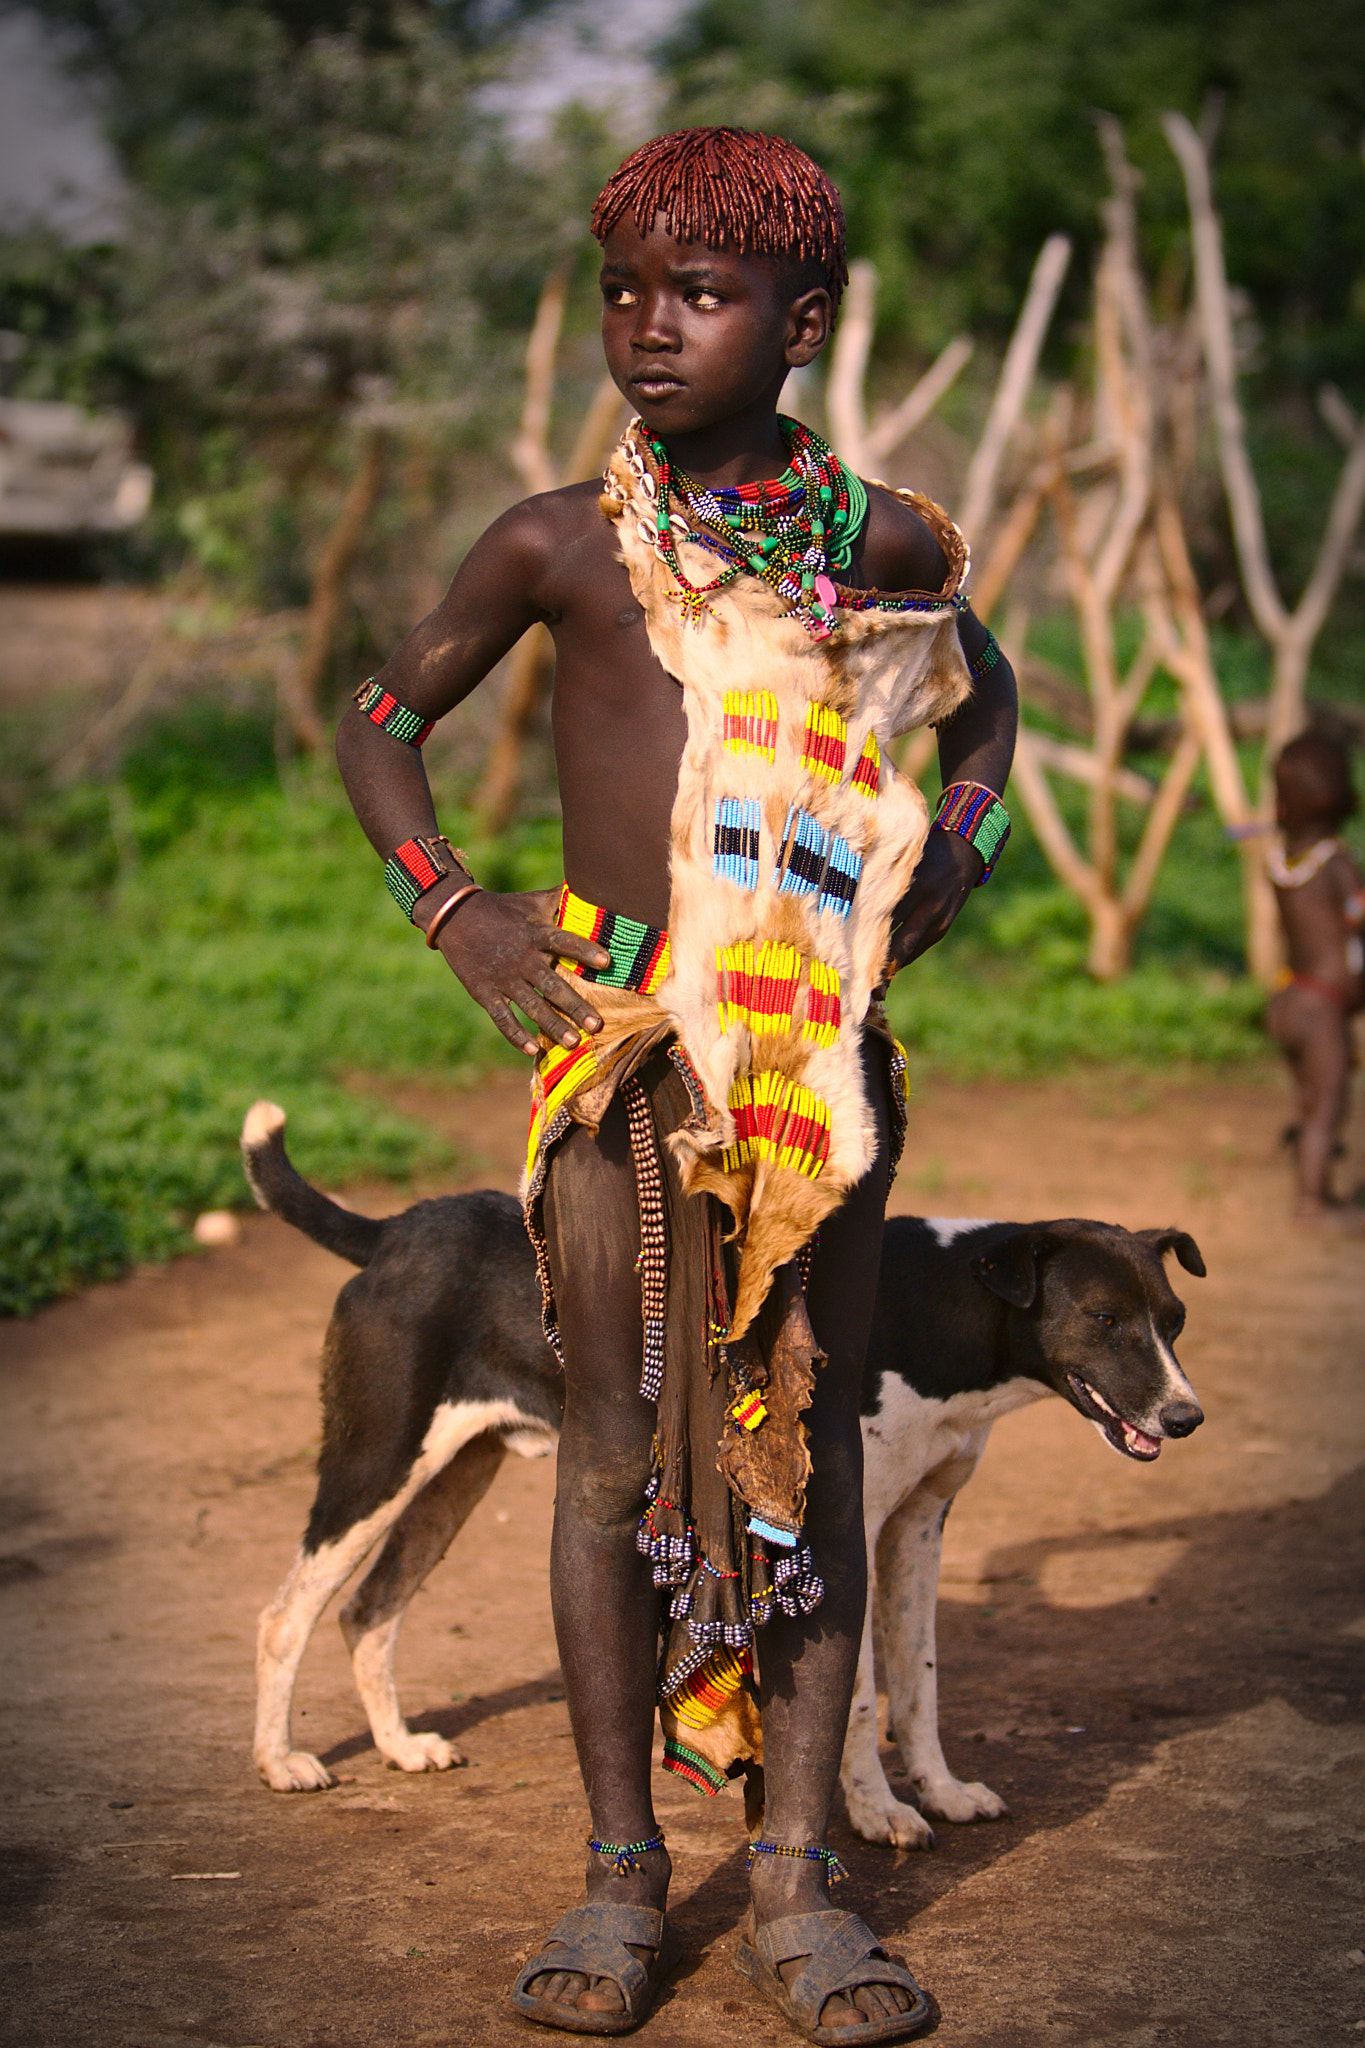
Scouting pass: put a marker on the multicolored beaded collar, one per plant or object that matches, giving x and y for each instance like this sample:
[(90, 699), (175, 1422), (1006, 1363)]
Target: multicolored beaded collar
[(790, 532)]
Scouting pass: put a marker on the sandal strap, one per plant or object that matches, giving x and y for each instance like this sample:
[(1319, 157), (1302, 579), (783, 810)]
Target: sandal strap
[(841, 1953), (593, 1940)]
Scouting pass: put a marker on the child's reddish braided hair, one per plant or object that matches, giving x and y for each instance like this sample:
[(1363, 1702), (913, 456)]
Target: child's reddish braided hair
[(732, 187)]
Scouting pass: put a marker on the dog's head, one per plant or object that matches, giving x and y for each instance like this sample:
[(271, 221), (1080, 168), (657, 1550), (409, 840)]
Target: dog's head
[(1099, 1323)]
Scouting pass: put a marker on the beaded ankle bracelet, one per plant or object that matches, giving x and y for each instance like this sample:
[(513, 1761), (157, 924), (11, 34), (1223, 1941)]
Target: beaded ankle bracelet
[(834, 1869), (627, 1854), (977, 815)]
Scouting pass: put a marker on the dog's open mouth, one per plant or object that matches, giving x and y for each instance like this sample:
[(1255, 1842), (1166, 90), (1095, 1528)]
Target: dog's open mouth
[(1124, 1436)]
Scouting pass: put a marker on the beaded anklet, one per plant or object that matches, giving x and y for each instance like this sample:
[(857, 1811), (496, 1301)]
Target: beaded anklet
[(383, 709), (977, 815), (834, 1869), (627, 1854)]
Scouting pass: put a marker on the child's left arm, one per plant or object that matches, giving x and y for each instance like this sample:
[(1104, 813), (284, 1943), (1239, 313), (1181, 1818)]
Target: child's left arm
[(975, 745)]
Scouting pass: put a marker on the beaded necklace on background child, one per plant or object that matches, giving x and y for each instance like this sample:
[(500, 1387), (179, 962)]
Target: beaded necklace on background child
[(741, 629)]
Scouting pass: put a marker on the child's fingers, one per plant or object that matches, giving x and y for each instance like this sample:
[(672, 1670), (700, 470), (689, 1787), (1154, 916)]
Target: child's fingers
[(543, 1015), (572, 946), (568, 1001), (509, 1024)]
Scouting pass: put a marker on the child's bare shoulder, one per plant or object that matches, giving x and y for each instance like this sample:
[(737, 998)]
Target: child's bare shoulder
[(541, 539), (901, 550)]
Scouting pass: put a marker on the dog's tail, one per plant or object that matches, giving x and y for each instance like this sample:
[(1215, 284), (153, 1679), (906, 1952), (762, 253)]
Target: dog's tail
[(279, 1187)]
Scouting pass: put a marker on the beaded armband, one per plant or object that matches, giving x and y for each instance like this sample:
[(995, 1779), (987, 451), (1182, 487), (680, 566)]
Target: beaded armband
[(384, 710), (985, 661), (418, 865), (977, 815)]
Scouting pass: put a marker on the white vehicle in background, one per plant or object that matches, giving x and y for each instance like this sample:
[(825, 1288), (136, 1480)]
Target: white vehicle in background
[(65, 473)]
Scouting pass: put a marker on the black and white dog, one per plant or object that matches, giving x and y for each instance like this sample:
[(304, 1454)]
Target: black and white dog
[(435, 1367)]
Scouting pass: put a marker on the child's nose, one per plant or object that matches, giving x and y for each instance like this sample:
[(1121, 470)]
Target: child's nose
[(655, 327)]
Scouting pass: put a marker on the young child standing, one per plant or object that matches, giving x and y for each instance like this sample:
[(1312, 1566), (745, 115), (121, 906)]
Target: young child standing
[(1321, 900), (741, 629)]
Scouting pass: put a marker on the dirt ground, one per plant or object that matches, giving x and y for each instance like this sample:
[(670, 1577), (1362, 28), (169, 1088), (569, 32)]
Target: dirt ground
[(1162, 1669)]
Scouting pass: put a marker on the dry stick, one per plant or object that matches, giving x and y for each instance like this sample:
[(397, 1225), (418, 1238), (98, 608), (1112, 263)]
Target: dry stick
[(1016, 377), (1079, 765), (1291, 634), (299, 696), (530, 449), (844, 406), (1160, 824), (899, 424)]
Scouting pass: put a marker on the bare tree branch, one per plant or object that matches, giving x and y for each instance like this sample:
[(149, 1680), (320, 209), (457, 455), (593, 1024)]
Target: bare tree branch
[(844, 403), (1220, 358), (1016, 377), (530, 449), (899, 424)]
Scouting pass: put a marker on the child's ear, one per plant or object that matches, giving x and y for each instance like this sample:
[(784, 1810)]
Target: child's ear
[(809, 320)]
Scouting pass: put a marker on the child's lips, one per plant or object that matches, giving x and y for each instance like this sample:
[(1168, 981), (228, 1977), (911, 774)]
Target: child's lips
[(656, 383)]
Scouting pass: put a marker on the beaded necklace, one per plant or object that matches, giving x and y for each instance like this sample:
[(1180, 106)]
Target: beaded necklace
[(1292, 874), (790, 532)]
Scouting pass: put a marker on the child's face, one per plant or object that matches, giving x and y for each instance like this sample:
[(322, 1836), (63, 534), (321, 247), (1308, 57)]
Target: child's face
[(695, 335)]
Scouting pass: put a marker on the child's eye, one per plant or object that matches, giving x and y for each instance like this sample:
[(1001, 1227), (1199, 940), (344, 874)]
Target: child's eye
[(618, 295), (704, 297)]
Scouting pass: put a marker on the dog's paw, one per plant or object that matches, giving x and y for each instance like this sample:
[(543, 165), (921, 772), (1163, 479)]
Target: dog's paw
[(422, 1753), (295, 1771), (880, 1817), (949, 1799)]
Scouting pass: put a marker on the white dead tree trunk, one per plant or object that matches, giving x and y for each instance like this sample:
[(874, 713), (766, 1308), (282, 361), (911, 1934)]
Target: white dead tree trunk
[(1290, 633)]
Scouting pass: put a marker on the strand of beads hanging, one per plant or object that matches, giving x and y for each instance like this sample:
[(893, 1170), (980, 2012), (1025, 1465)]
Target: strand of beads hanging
[(834, 1869), (626, 1854), (789, 532)]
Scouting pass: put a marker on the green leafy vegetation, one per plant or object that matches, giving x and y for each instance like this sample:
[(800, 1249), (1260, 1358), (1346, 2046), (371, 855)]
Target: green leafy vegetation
[(194, 934)]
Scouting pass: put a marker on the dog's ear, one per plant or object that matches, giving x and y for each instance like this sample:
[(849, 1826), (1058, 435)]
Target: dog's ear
[(1010, 1269), (1182, 1244)]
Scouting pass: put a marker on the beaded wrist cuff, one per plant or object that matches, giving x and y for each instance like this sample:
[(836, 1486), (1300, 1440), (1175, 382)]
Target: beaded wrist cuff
[(985, 661), (417, 865), (977, 815), (384, 710)]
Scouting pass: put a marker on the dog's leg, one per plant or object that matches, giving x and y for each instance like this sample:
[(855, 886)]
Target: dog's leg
[(908, 1553), (873, 1808), (372, 1617), (281, 1639)]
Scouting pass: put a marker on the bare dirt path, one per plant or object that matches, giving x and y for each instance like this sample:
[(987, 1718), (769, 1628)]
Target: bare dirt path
[(1162, 1669)]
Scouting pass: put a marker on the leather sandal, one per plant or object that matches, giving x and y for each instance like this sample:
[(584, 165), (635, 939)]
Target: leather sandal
[(592, 1941), (840, 1953)]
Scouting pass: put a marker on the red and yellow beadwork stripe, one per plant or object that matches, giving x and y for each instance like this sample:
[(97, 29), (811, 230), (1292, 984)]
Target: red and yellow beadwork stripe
[(867, 774), (559, 1074), (703, 1697), (756, 985), (779, 1120), (751, 723), (824, 742), (823, 1009), (748, 1411), (639, 952)]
